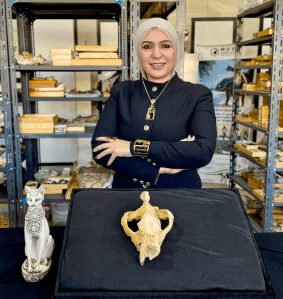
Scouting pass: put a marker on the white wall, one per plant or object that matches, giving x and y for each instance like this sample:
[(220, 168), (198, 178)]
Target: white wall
[(48, 35)]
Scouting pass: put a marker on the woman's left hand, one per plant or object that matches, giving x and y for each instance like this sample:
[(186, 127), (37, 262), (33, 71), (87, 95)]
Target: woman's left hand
[(117, 148)]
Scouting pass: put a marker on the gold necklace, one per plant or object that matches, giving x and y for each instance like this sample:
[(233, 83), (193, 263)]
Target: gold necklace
[(151, 110)]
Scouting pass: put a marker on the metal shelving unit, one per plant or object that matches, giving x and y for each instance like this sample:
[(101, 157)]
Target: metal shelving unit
[(28, 11), (145, 9), (270, 9), (10, 197)]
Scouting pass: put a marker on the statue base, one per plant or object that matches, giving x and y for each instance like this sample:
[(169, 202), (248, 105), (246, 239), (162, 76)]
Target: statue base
[(36, 276)]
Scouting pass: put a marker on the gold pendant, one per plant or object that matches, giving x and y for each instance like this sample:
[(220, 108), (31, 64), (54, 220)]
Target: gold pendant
[(150, 113)]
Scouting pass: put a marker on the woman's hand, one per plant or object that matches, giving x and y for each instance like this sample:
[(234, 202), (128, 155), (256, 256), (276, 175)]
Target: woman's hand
[(164, 170), (117, 148)]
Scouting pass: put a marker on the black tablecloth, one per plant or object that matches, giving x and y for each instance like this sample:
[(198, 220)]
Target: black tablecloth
[(209, 249), (12, 255)]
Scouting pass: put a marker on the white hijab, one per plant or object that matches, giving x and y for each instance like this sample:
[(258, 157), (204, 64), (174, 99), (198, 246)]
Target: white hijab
[(161, 24)]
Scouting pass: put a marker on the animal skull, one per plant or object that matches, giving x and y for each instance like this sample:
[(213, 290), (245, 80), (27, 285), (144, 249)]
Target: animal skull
[(148, 239)]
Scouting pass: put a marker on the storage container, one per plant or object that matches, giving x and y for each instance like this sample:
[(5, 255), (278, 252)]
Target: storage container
[(59, 212)]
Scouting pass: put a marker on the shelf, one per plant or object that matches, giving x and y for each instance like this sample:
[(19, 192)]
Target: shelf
[(247, 157), (68, 9), (58, 68), (250, 125), (3, 197), (55, 197), (254, 220), (251, 67), (63, 99), (244, 184), (256, 41), (263, 10), (3, 169), (87, 134), (256, 92)]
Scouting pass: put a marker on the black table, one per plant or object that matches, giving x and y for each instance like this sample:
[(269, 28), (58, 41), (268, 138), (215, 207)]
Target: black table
[(12, 255)]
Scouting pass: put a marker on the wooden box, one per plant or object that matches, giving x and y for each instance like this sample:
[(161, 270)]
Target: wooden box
[(106, 61), (96, 48), (100, 55), (60, 183), (62, 62), (254, 152), (38, 123), (56, 52), (75, 128), (260, 194), (46, 94)]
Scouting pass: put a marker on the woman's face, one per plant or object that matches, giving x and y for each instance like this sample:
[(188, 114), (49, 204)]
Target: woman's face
[(157, 56)]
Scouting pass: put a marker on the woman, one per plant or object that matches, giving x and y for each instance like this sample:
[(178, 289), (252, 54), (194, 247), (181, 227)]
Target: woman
[(142, 132)]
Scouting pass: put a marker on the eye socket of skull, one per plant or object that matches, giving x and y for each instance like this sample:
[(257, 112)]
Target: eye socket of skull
[(133, 225)]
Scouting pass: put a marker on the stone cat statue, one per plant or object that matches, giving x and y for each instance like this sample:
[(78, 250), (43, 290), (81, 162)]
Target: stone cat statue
[(39, 243)]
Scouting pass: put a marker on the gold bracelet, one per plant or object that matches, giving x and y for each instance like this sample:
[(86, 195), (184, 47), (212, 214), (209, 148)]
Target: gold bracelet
[(156, 179), (141, 148)]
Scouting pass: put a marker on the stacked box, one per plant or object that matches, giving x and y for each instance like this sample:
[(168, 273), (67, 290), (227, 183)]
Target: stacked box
[(97, 55), (38, 123), (45, 88), (62, 56), (262, 119)]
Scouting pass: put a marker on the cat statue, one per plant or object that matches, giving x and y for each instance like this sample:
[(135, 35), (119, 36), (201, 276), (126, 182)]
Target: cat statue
[(39, 243)]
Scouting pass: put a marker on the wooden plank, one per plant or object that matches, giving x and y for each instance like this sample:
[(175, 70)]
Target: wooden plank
[(47, 89), (151, 10), (24, 126), (56, 52), (265, 32), (80, 48), (98, 55), (75, 128), (39, 118), (260, 194), (253, 211), (106, 61), (53, 82), (69, 191), (62, 62), (46, 94), (36, 130)]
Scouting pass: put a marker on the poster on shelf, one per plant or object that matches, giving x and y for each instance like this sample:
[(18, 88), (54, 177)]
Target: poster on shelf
[(218, 76), (223, 52)]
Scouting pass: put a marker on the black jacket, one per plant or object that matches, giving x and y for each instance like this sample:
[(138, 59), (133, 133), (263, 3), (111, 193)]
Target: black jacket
[(182, 109)]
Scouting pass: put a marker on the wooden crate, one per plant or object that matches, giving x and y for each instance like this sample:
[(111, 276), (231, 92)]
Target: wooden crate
[(57, 52), (47, 89), (97, 55), (96, 48), (62, 62), (31, 185), (4, 222), (106, 61), (253, 211), (38, 123), (39, 118), (55, 188), (252, 153), (260, 194), (275, 216), (46, 94), (42, 82)]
